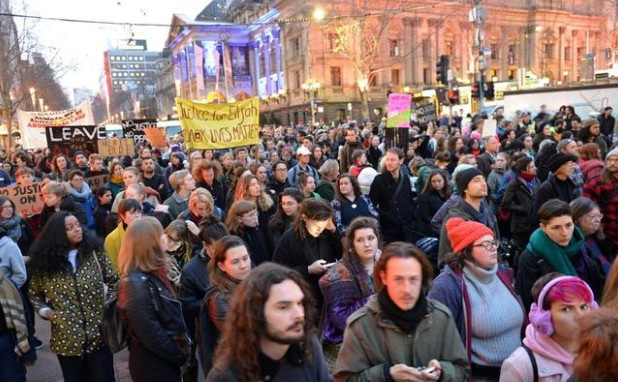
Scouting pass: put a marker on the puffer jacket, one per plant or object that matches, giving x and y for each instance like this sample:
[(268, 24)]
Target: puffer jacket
[(77, 302), (372, 343), (153, 317)]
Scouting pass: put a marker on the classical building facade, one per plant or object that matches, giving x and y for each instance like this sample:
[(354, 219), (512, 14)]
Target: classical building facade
[(362, 50)]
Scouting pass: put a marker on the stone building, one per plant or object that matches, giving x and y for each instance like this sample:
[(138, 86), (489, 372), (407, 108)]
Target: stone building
[(364, 49)]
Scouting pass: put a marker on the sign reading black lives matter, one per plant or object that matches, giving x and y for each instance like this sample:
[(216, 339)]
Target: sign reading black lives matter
[(134, 128), (425, 113), (69, 139)]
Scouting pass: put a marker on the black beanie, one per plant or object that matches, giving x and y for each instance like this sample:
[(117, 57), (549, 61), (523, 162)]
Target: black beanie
[(464, 177), (555, 161)]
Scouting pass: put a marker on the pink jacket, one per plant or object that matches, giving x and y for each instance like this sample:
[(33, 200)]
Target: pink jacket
[(554, 363)]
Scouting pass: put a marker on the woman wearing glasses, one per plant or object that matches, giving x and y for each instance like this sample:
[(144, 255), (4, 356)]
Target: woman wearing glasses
[(587, 216), (478, 292)]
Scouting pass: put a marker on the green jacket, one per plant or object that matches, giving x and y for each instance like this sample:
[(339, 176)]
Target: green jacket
[(372, 343), (77, 302)]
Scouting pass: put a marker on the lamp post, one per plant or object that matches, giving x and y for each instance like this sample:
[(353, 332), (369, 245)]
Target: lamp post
[(33, 98), (311, 86)]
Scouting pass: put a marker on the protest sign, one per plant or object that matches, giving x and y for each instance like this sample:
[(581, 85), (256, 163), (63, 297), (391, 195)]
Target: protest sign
[(69, 139), (27, 199), (489, 128), (425, 113), (96, 181), (32, 124), (156, 137), (399, 106), (134, 128), (115, 147), (219, 126)]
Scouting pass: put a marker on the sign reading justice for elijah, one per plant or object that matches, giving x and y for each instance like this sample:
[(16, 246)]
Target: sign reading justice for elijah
[(219, 126)]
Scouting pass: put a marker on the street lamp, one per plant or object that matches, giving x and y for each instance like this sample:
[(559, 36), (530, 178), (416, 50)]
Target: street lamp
[(311, 86), (33, 98), (319, 14)]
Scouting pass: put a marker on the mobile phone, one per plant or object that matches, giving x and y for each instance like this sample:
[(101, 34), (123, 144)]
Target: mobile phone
[(429, 369)]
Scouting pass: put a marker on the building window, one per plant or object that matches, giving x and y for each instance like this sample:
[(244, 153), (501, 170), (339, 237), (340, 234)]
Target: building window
[(373, 78), (335, 76), (449, 48), (395, 80), (580, 53), (426, 47), (393, 46), (549, 51), (297, 84), (333, 41), (427, 76), (567, 53), (295, 46), (495, 53), (512, 54)]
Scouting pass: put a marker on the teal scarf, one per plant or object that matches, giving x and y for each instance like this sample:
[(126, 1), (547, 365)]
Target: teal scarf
[(558, 257)]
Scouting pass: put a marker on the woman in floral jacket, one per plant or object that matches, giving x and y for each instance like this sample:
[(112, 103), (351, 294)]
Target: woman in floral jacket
[(347, 286), (70, 271)]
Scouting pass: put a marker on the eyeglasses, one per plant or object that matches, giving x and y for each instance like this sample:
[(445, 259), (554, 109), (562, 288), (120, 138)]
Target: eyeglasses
[(7, 207), (488, 244), (595, 218)]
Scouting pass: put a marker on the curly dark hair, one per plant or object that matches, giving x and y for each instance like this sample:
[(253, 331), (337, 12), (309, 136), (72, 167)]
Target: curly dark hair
[(49, 252), (239, 344), (360, 222)]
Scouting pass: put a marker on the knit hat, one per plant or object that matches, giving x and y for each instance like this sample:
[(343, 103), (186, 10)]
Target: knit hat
[(555, 161), (612, 153), (78, 152), (463, 233), (460, 168), (464, 177)]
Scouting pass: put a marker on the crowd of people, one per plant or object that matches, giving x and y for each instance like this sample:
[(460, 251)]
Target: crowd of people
[(325, 253)]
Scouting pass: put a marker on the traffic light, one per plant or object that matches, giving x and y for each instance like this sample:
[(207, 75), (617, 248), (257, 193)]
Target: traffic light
[(474, 90), (442, 70), (453, 97), (489, 92)]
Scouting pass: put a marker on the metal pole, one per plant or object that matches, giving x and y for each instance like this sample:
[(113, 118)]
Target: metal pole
[(481, 59), (312, 113)]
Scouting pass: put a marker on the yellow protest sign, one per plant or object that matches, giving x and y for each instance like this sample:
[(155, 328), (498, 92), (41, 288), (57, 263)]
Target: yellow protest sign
[(219, 126)]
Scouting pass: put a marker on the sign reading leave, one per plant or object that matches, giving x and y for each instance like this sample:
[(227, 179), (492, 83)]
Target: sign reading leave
[(134, 128), (116, 147), (69, 139)]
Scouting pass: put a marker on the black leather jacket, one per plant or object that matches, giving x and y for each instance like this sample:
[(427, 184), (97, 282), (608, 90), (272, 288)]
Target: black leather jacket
[(153, 316)]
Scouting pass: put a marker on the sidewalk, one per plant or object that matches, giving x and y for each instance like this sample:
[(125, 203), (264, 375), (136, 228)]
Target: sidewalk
[(47, 368)]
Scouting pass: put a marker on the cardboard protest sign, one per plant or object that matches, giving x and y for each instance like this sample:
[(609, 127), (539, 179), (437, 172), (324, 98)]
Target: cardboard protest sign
[(399, 107), (134, 128), (219, 126), (115, 147), (489, 128), (156, 137), (69, 139), (96, 181), (27, 199), (32, 124), (425, 113)]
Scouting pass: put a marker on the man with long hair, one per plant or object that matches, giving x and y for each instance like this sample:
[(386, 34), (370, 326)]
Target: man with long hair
[(271, 337)]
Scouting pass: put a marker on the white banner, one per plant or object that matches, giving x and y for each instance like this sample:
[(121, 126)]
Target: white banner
[(32, 124)]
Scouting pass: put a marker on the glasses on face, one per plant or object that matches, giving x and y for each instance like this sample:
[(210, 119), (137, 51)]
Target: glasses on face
[(595, 218), (9, 207), (488, 244)]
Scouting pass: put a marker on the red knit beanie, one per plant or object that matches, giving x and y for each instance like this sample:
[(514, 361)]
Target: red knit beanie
[(463, 233)]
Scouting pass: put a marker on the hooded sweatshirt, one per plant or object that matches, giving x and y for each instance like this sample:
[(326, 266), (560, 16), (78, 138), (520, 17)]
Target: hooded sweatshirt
[(11, 261)]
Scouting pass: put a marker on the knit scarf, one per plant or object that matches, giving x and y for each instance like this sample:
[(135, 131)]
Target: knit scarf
[(80, 196), (12, 227), (116, 179), (558, 257), (14, 315), (406, 320)]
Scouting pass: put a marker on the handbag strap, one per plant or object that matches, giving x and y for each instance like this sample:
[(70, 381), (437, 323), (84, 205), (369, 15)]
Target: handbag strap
[(398, 189), (535, 367)]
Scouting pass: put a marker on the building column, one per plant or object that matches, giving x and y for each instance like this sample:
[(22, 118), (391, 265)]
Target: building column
[(276, 45), (256, 79), (504, 53), (266, 51), (407, 50), (574, 57)]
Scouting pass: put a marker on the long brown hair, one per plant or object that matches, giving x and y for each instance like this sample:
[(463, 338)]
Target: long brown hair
[(238, 209), (264, 201), (402, 250), (313, 209), (240, 341), (360, 222), (610, 293), (598, 347), (218, 278), (141, 247)]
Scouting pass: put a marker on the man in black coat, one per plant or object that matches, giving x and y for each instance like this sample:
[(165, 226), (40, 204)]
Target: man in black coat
[(391, 194), (607, 122), (486, 160)]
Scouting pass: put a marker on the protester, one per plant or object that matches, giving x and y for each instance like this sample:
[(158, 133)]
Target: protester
[(279, 178), (242, 221), (59, 168), (130, 176), (478, 291), (350, 203), (590, 161), (518, 200), (603, 190), (15, 227), (436, 192), (116, 182), (179, 247), (70, 274), (80, 193), (347, 286), (556, 246), (403, 328), (55, 199), (183, 184), (303, 154), (209, 175), (587, 216), (552, 336), (325, 188), (287, 209), (558, 185), (129, 211), (228, 266), (103, 197), (610, 292), (249, 188), (273, 334)]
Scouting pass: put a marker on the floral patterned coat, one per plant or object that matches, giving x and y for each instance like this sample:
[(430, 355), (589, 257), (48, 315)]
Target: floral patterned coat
[(77, 301)]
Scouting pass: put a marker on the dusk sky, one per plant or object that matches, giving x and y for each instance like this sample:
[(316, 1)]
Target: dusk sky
[(81, 45)]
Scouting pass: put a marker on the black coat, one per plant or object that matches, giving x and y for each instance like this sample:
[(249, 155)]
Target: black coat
[(67, 204), (374, 155), (428, 205), (607, 125), (399, 213), (553, 188), (218, 191), (484, 162), (518, 199)]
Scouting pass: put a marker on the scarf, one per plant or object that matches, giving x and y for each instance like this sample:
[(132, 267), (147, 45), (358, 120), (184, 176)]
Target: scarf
[(80, 196), (12, 227), (14, 314), (116, 179), (558, 257), (593, 247), (406, 320)]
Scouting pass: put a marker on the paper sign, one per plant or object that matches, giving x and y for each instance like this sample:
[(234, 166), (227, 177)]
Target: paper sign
[(69, 139), (399, 106), (219, 126), (96, 181), (156, 137), (27, 199), (425, 113), (489, 128), (115, 147), (134, 128)]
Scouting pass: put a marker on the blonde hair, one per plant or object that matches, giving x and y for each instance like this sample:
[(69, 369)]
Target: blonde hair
[(201, 195), (177, 177), (141, 247), (264, 201), (55, 188)]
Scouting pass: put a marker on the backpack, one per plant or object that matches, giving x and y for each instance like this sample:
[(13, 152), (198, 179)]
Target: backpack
[(113, 330)]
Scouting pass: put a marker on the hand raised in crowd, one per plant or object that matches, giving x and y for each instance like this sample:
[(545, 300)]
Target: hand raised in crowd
[(192, 227)]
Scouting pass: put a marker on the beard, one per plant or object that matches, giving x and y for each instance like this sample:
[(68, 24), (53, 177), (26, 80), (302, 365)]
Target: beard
[(279, 337)]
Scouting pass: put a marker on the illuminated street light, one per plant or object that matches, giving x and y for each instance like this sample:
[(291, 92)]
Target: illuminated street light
[(319, 14), (311, 86)]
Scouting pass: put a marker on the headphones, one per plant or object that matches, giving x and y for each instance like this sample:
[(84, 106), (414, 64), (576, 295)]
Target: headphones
[(541, 318)]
